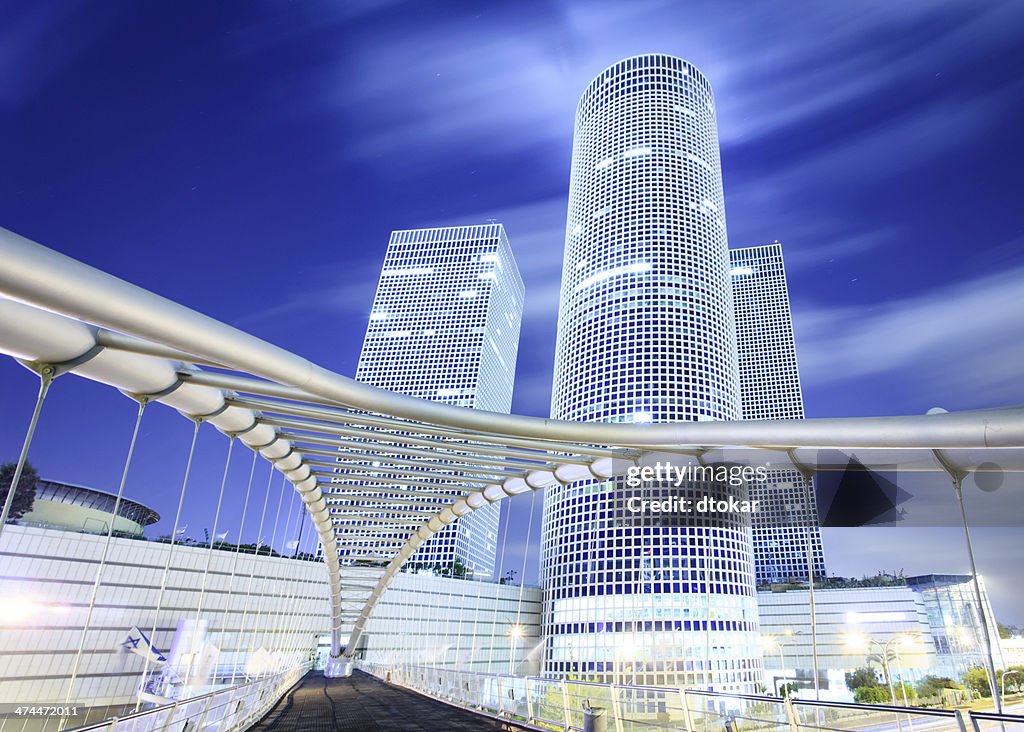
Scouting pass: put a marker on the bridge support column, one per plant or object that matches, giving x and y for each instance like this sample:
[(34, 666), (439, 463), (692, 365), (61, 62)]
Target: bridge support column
[(338, 667)]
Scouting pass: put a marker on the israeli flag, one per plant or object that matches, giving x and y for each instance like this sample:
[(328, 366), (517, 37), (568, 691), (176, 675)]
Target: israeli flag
[(139, 644)]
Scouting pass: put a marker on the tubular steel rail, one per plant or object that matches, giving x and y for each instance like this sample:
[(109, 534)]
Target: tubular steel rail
[(405, 468), (557, 704)]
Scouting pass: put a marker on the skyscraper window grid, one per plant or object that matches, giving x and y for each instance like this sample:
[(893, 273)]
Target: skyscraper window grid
[(646, 334), (444, 326), (770, 389)]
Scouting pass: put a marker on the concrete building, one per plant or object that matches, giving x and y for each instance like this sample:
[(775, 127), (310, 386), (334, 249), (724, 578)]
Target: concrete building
[(645, 335), (73, 507), (249, 602), (445, 327), (852, 624), (770, 389)]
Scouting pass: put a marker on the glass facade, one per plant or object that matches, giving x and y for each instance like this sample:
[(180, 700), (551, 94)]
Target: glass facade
[(770, 389), (646, 334), (445, 327)]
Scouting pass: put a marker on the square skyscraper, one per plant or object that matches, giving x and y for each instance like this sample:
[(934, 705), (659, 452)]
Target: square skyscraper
[(770, 389), (445, 327)]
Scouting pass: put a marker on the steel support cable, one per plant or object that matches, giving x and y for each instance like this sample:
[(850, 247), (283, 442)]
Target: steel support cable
[(300, 439), (209, 558), (957, 475), (807, 473), (357, 474), (311, 602), (468, 447), (390, 425), (387, 469), (252, 573), (394, 493), (258, 615), (167, 562), (46, 377), (105, 552), (379, 505), (522, 577), (504, 470), (234, 563), (286, 588), (458, 491), (497, 590)]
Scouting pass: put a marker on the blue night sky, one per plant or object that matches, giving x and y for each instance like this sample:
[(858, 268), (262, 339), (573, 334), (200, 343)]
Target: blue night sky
[(249, 159)]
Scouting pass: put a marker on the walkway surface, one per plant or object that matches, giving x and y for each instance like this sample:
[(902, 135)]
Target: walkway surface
[(362, 703)]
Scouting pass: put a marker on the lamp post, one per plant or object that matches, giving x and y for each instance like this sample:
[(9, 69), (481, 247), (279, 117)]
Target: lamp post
[(779, 642), (515, 632)]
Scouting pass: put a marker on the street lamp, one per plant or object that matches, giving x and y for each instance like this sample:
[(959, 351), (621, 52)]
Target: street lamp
[(515, 632), (779, 641), (1002, 680)]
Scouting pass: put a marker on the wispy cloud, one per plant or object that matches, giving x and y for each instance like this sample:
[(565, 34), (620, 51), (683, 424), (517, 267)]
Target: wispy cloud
[(964, 341), (38, 40)]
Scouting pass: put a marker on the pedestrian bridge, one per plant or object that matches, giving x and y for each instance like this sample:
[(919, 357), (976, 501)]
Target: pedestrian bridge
[(375, 474)]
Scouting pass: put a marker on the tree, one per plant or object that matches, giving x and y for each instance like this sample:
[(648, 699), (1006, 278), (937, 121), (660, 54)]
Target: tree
[(25, 494), (930, 686), (861, 678), (788, 689), (456, 569), (976, 679), (1008, 631), (871, 695)]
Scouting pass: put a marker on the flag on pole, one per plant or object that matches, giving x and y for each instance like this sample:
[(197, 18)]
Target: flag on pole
[(139, 644)]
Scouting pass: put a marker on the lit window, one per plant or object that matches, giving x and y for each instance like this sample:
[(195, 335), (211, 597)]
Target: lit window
[(635, 268), (408, 271), (636, 152), (468, 293), (378, 316)]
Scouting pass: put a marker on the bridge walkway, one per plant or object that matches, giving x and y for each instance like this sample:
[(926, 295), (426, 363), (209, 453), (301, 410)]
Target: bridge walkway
[(363, 703)]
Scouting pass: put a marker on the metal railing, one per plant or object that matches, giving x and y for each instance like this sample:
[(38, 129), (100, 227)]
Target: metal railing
[(225, 710), (557, 704)]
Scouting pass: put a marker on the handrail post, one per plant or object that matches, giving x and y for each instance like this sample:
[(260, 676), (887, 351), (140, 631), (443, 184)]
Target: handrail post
[(687, 717), (794, 721), (565, 706), (616, 707)]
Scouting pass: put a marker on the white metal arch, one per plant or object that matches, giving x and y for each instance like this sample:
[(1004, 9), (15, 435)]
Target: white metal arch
[(436, 462)]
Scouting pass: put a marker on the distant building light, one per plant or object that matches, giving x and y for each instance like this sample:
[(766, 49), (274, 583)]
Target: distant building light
[(468, 293), (576, 230), (378, 316), (604, 163), (398, 333), (581, 265), (642, 417), (489, 258), (635, 268), (408, 271), (486, 275), (636, 152), (741, 271), (430, 332), (855, 618)]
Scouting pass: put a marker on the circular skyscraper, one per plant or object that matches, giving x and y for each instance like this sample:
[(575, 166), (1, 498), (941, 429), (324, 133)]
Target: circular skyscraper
[(646, 334)]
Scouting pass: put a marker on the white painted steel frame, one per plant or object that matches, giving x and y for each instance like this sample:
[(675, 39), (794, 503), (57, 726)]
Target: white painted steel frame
[(58, 309)]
